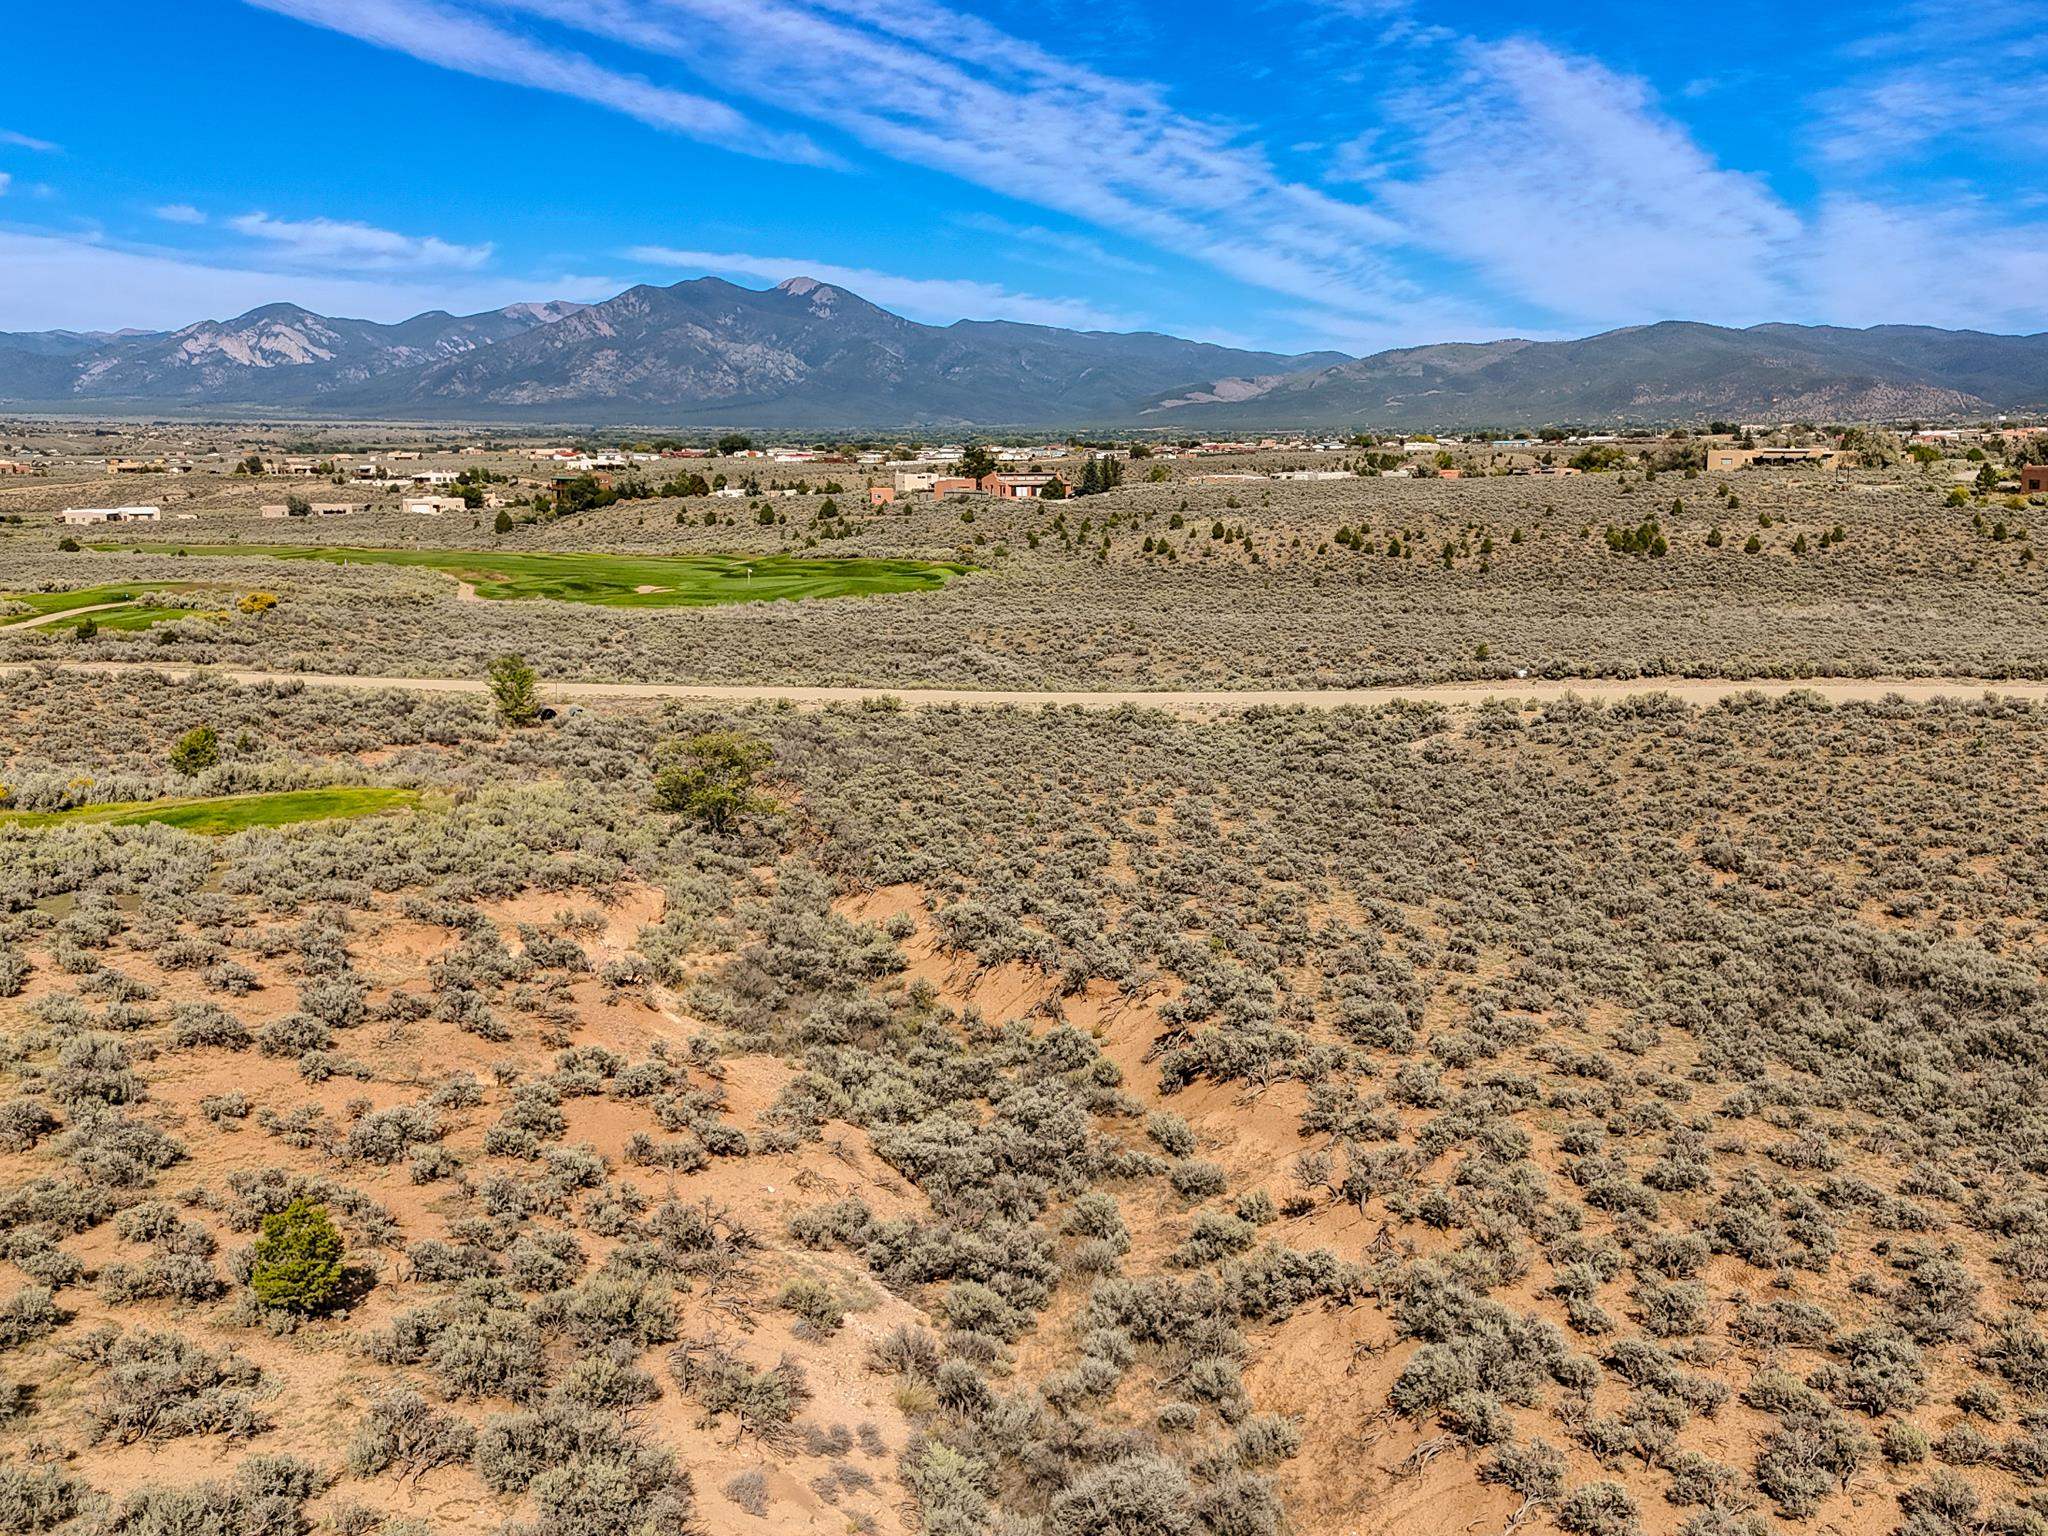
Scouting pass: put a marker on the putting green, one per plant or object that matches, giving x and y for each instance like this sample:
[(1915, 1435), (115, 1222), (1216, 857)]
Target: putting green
[(621, 581), (226, 813)]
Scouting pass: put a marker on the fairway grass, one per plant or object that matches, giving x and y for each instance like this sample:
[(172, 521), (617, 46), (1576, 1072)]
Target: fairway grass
[(622, 581), (55, 606), (222, 814)]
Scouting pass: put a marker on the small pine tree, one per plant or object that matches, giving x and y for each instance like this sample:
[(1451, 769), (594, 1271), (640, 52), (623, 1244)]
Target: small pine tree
[(504, 521), (297, 1259), (711, 777), (196, 751), (516, 690)]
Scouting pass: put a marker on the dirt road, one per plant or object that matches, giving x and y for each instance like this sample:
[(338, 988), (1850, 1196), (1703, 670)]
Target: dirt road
[(1689, 690)]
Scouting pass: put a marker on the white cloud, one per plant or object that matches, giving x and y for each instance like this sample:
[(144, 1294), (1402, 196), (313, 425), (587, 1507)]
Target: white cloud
[(1076, 249), (359, 247), (935, 301), (1524, 181), (179, 213), (6, 181), (455, 39), (1560, 182), (64, 281), (15, 140), (1870, 264), (935, 87), (1942, 76)]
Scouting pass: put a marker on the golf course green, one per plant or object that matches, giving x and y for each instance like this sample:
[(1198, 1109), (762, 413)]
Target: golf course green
[(220, 814), (619, 581)]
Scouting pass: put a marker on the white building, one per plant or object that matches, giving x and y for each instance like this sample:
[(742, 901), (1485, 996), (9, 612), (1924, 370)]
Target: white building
[(432, 506), (80, 516)]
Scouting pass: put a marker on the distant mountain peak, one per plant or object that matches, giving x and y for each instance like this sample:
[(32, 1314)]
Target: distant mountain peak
[(544, 312), (809, 355)]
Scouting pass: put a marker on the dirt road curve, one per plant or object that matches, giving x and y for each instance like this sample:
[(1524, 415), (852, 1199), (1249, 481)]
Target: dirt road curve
[(1700, 691)]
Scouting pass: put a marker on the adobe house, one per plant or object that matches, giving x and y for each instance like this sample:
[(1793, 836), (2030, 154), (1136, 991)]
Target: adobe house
[(2034, 479), (1018, 487), (1727, 460)]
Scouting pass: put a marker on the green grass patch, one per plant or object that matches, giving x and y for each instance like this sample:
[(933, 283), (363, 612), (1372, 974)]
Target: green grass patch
[(128, 619), (621, 581), (131, 615), (221, 814)]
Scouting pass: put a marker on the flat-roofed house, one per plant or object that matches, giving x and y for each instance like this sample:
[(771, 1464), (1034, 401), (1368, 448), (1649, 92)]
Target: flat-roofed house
[(82, 516), (2034, 479), (1018, 487), (1727, 460)]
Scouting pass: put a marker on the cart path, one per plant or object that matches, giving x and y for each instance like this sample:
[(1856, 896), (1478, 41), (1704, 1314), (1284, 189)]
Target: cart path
[(36, 619), (1534, 691)]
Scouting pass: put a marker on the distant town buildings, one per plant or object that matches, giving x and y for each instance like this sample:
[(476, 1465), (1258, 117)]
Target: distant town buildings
[(432, 506)]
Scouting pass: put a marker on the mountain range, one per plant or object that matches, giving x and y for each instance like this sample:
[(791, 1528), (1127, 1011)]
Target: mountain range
[(810, 356)]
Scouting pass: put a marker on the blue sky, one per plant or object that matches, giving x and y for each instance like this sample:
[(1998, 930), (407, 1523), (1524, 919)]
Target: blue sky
[(1285, 173)]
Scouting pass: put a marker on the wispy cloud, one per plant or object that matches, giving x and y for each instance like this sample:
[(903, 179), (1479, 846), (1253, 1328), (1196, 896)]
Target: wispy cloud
[(1945, 76), (15, 140), (936, 301), (458, 39), (1561, 182), (1526, 189), (357, 247), (1868, 262), (931, 86), (56, 280), (6, 181), (179, 213), (1069, 250)]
